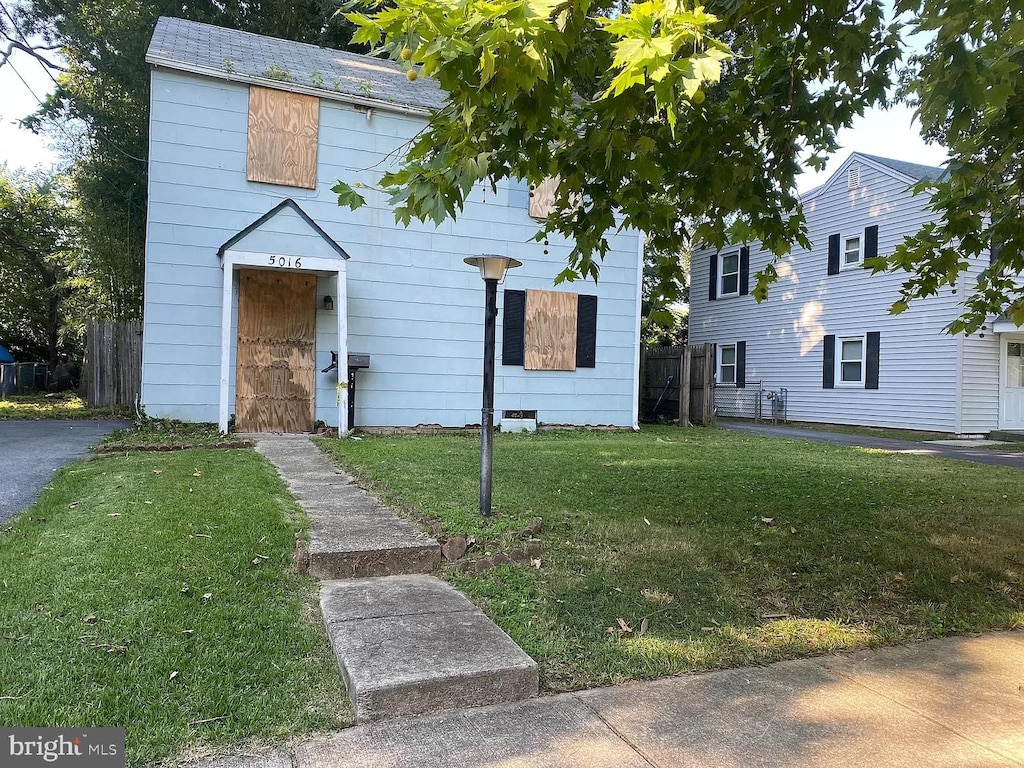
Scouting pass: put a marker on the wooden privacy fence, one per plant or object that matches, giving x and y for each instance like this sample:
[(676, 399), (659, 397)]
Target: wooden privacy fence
[(676, 384), (112, 369)]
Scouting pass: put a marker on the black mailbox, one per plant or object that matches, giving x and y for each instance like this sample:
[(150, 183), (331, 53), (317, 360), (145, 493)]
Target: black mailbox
[(356, 361)]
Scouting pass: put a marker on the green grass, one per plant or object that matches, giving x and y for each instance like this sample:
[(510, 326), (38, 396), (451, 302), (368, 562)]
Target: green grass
[(737, 549), (129, 596), (156, 434), (64, 405)]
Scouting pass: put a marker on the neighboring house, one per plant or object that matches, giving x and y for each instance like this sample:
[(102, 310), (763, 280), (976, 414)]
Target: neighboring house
[(255, 276), (825, 333)]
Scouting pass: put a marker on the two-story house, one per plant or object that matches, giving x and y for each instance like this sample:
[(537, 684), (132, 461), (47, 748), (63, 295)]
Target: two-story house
[(256, 280), (825, 332)]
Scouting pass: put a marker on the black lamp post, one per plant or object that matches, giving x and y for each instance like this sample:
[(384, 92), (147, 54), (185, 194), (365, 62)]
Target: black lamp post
[(492, 270)]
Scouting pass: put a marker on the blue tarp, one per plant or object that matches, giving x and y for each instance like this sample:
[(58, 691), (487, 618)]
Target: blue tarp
[(6, 372)]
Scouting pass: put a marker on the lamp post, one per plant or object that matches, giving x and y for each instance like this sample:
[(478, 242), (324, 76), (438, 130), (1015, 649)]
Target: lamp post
[(492, 270)]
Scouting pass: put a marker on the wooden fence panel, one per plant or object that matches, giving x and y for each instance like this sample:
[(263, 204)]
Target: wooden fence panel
[(112, 370), (698, 372), (659, 383)]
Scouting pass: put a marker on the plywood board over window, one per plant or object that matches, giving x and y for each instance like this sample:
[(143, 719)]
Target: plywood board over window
[(550, 343), (542, 198), (283, 137)]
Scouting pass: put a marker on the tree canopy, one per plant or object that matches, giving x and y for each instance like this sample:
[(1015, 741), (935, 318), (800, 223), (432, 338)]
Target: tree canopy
[(46, 282), (687, 123)]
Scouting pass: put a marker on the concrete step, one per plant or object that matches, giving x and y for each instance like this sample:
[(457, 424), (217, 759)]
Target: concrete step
[(1010, 436), (352, 534), (410, 645)]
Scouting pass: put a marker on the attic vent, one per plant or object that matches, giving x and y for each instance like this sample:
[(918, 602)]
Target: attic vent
[(853, 177)]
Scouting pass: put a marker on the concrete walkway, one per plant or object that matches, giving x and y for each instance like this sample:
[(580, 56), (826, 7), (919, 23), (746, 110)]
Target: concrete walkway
[(406, 642), (32, 450), (991, 456), (955, 702)]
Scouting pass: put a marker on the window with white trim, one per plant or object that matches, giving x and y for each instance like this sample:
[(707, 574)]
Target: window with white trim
[(851, 361), (729, 274), (726, 363), (852, 252)]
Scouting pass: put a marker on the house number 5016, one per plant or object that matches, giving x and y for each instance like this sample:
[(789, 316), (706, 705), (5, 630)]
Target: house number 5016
[(286, 261)]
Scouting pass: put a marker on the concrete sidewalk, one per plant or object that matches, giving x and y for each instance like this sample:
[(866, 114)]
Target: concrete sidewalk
[(992, 456), (955, 702)]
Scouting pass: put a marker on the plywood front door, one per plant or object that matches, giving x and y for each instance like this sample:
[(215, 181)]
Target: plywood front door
[(274, 387)]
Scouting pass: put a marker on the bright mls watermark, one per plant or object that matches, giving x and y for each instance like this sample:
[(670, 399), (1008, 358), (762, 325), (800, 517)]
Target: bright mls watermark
[(62, 747)]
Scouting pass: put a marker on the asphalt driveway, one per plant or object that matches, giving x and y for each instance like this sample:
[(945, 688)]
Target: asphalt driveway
[(31, 451), (991, 456)]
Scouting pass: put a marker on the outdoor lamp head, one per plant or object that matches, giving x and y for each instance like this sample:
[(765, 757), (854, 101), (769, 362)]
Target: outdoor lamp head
[(491, 266), (328, 303)]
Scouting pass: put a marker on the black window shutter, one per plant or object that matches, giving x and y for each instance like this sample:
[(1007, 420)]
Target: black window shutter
[(871, 242), (828, 365), (744, 271), (871, 374), (833, 254), (741, 363), (586, 332), (513, 328), (713, 278)]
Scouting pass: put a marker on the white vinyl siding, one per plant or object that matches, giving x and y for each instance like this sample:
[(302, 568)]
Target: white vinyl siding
[(918, 369)]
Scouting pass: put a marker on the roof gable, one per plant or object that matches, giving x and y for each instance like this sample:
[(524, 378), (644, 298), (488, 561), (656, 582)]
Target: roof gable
[(230, 54), (263, 225), (911, 173)]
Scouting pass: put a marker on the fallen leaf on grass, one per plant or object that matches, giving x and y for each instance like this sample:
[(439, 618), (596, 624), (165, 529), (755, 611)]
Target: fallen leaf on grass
[(174, 674), (535, 562), (609, 630), (72, 505), (208, 596), (792, 529), (767, 520), (617, 589), (955, 579), (90, 619), (647, 521), (113, 514), (184, 589), (624, 626), (158, 471), (197, 473), (643, 627), (147, 502)]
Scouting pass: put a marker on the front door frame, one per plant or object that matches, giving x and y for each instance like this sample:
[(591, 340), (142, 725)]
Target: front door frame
[(1004, 340), (233, 260)]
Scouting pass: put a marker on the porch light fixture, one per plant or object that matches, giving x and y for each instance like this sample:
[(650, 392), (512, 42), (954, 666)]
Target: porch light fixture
[(328, 303), (492, 270)]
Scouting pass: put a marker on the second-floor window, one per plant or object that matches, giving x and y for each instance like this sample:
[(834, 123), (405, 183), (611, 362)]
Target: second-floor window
[(852, 251), (729, 274)]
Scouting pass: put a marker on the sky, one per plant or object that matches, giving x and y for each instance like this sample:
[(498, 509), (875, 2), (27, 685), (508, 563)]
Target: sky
[(891, 133)]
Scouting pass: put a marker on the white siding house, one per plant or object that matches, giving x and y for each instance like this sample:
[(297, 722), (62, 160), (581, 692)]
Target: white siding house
[(825, 333), (221, 225)]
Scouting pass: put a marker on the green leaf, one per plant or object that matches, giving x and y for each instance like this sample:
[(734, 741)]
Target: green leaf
[(348, 196)]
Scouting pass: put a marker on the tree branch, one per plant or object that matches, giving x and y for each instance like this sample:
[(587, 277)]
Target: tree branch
[(13, 44)]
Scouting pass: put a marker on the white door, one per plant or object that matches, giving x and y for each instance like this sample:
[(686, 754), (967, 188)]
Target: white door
[(1011, 396)]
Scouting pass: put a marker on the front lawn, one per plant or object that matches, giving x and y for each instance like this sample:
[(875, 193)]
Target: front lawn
[(157, 592), (714, 548), (63, 405)]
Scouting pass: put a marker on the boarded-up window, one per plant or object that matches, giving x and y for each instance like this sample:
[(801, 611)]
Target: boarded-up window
[(550, 331), (542, 198), (283, 130)]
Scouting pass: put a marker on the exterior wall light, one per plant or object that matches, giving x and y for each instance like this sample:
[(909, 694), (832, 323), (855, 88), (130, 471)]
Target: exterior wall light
[(328, 304)]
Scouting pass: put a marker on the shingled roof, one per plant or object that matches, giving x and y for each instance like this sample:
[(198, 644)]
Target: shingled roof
[(914, 170), (229, 54)]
